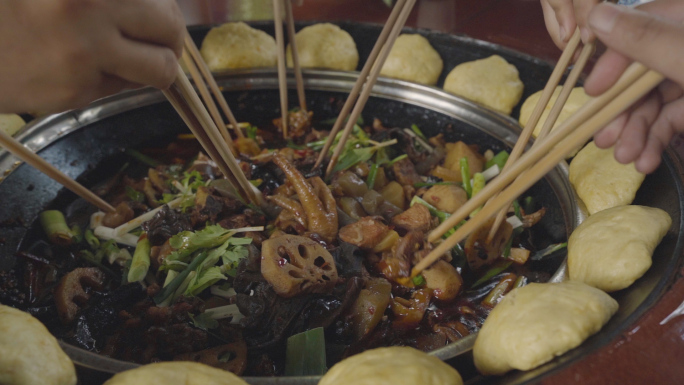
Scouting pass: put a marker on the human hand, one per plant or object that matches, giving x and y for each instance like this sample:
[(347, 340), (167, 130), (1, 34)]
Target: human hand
[(652, 34), (562, 17), (61, 54)]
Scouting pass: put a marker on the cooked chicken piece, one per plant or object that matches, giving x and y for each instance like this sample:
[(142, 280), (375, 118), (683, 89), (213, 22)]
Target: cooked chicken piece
[(366, 233), (405, 173), (416, 218)]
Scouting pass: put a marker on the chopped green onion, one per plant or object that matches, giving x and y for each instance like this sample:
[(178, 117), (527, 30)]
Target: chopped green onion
[(433, 210), (305, 355), (478, 185), (491, 273), (507, 250), (55, 227), (142, 158), (203, 321), (372, 173), (465, 175), (256, 182), (141, 260), (520, 282), (91, 239), (551, 249), (418, 132), (499, 159), (76, 234), (516, 210), (176, 282), (419, 280)]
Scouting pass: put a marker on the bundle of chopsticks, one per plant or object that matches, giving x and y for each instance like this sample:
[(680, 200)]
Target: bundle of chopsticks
[(520, 172)]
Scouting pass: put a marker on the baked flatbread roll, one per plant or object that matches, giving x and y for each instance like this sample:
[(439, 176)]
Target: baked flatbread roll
[(175, 373), (613, 248), (602, 182), (412, 58), (325, 45), (492, 82), (392, 366), (237, 45), (575, 101), (11, 123), (537, 322), (29, 354)]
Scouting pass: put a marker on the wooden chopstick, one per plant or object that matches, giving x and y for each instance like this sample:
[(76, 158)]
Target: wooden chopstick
[(209, 78), (353, 95), (370, 82), (584, 56), (184, 98), (30, 157), (282, 72), (634, 72), (526, 134), (543, 165), (289, 15), (204, 91)]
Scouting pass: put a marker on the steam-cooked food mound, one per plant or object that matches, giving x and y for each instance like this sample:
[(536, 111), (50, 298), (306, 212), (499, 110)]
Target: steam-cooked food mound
[(325, 46), (11, 123), (392, 366), (412, 58), (575, 101), (237, 45), (535, 323), (613, 248), (176, 373), (602, 182), (491, 82), (29, 354)]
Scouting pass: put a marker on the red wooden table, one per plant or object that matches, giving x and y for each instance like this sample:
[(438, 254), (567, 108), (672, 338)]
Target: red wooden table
[(649, 352)]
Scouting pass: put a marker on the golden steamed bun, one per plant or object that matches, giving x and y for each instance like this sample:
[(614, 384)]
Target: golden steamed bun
[(576, 100), (613, 248), (237, 45), (325, 45), (602, 182), (29, 354), (176, 373), (392, 366), (11, 123), (412, 58), (537, 322), (492, 82)]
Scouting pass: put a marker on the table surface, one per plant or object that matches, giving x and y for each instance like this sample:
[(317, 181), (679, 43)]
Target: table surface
[(650, 352)]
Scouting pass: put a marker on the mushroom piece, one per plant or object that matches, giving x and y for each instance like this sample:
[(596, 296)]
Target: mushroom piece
[(315, 198), (70, 292), (231, 357), (444, 280), (365, 233), (295, 265), (479, 252), (123, 214)]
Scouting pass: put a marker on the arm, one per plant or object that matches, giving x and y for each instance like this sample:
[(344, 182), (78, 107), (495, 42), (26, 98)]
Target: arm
[(60, 54)]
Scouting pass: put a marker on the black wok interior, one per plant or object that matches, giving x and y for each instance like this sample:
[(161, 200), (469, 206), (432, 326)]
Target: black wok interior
[(95, 152)]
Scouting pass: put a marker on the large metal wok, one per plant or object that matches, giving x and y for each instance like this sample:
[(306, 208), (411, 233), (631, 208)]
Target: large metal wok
[(87, 144)]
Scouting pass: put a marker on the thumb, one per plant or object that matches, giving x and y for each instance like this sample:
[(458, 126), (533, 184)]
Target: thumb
[(643, 37)]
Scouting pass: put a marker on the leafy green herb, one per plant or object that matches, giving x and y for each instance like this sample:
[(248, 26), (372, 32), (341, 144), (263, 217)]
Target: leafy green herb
[(203, 321), (418, 132), (187, 242), (499, 159), (350, 158), (491, 273), (192, 180), (134, 194), (203, 279), (251, 131), (166, 198), (305, 355), (372, 174)]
